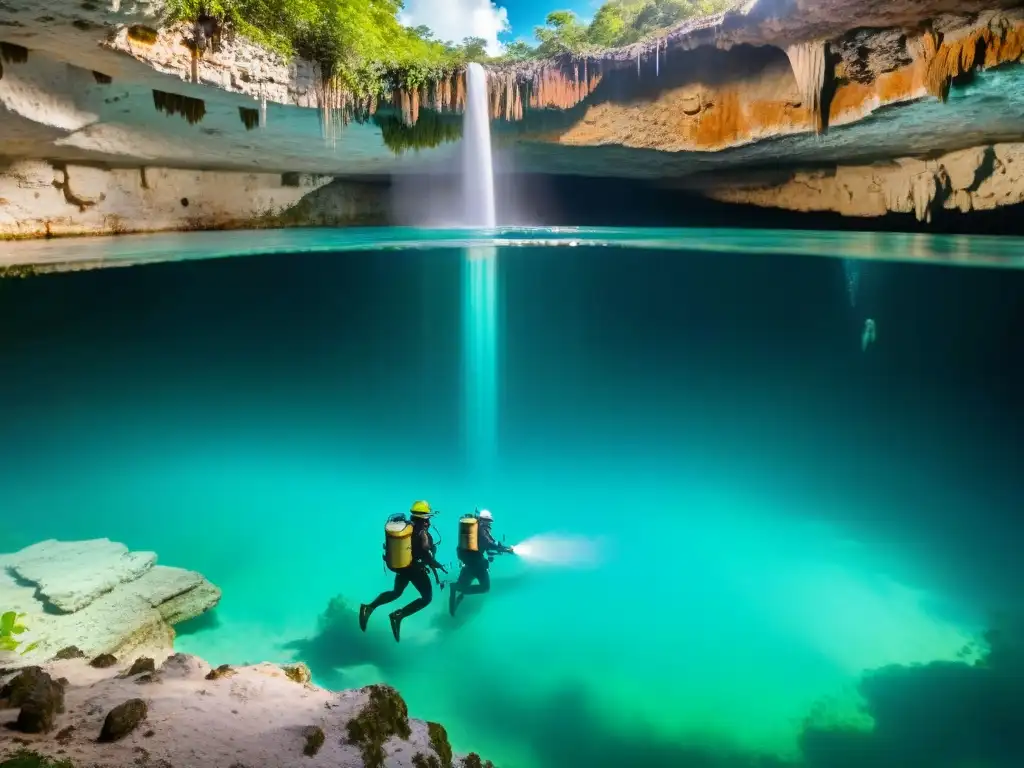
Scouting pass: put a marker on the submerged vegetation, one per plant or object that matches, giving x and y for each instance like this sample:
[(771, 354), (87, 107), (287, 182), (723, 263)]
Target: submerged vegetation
[(11, 627), (25, 758), (384, 715), (430, 130)]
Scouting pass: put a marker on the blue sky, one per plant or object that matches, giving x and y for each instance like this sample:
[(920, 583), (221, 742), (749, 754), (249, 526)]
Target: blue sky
[(456, 19), (524, 15)]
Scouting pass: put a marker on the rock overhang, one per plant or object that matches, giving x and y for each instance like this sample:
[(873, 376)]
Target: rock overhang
[(685, 111)]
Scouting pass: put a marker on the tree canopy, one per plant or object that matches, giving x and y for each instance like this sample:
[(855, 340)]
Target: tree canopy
[(617, 23), (362, 47)]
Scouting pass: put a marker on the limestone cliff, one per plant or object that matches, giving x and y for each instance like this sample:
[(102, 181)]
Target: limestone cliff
[(110, 119), (976, 179), (47, 198)]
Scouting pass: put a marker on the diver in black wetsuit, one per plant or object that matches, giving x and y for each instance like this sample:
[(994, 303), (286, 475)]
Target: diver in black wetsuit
[(476, 562), (423, 551)]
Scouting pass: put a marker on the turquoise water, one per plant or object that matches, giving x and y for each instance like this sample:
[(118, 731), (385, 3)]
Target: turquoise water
[(763, 545)]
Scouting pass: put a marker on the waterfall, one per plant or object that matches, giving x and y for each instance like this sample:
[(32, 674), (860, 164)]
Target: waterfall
[(480, 282), (477, 170)]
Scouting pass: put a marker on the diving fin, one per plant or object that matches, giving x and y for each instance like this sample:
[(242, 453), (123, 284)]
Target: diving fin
[(396, 624), (364, 616)]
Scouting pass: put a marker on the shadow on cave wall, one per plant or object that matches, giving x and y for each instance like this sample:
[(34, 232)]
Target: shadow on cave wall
[(564, 201), (586, 201)]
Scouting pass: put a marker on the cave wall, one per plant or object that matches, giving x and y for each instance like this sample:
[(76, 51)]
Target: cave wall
[(709, 99), (975, 179), (540, 200), (40, 198)]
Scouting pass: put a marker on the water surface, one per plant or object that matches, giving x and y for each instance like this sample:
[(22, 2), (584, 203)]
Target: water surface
[(778, 514)]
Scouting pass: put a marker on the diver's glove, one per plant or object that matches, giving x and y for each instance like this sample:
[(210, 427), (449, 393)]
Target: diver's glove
[(438, 578)]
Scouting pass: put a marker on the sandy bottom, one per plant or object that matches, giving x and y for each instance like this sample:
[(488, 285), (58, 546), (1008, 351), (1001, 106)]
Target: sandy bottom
[(255, 718)]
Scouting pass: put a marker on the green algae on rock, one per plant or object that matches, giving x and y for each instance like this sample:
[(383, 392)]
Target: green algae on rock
[(384, 715), (439, 741), (298, 673), (224, 670), (26, 758), (314, 740)]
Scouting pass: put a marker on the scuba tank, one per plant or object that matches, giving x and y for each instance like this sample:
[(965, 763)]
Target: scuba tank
[(469, 527), (397, 543)]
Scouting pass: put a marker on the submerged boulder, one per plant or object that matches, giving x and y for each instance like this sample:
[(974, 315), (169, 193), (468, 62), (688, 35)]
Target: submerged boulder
[(40, 698), (140, 666), (123, 719)]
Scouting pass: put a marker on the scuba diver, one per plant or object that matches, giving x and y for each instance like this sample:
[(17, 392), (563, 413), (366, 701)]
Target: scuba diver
[(476, 550), (409, 550)]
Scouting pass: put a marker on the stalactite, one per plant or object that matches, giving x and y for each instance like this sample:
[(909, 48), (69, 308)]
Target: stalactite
[(551, 88), (925, 190), (988, 46), (460, 92), (333, 105), (808, 62)]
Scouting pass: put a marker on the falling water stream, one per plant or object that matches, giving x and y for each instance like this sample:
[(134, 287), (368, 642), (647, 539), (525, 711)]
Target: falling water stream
[(480, 282), (477, 167)]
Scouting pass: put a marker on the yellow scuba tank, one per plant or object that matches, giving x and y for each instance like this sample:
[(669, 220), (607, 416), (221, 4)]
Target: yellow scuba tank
[(468, 529), (397, 543)]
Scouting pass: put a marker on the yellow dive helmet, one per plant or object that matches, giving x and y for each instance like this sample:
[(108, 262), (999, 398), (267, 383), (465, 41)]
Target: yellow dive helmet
[(421, 510)]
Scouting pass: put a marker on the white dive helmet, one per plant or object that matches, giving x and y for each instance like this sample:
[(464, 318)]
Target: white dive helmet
[(485, 514)]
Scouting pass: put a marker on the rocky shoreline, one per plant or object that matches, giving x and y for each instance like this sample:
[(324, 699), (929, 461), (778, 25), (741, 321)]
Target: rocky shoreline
[(101, 685)]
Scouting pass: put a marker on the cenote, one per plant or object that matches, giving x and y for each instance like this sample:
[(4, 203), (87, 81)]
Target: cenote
[(765, 485)]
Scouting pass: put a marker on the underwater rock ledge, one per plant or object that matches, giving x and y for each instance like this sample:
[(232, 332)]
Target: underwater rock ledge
[(95, 679), (178, 711), (98, 597)]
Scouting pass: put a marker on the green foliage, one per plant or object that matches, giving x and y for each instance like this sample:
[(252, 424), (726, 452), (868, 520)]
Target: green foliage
[(618, 23), (518, 50), (359, 46), (10, 628), (363, 50), (25, 758)]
